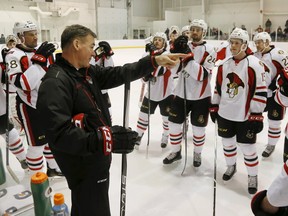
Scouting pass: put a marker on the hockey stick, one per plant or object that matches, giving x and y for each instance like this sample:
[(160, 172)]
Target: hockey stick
[(215, 169), (185, 123), (141, 94), (124, 156), (7, 132), (148, 138)]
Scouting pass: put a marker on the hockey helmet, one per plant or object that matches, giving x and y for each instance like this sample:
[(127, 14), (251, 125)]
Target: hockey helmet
[(239, 33), (23, 26), (185, 28), (10, 38), (161, 35), (199, 23), (174, 30), (264, 36)]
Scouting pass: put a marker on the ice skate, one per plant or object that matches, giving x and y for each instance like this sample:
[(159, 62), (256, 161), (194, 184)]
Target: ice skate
[(252, 184), (54, 173), (138, 142), (196, 159), (172, 157), (268, 151), (164, 141), (23, 164), (231, 170)]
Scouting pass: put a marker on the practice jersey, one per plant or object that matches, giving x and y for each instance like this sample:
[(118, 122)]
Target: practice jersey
[(162, 85), (276, 60), (198, 73), (223, 52), (240, 88), (277, 193), (24, 75)]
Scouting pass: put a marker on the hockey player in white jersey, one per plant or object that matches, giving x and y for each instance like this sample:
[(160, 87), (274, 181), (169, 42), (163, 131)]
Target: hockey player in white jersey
[(103, 58), (15, 143), (238, 103), (11, 41), (186, 31), (274, 200), (275, 59), (173, 34), (196, 78), (25, 67), (161, 92)]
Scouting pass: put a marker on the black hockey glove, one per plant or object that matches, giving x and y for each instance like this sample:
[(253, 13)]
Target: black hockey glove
[(117, 139), (283, 82), (42, 53), (180, 45), (4, 53), (213, 110), (106, 48), (257, 209), (255, 122), (150, 47)]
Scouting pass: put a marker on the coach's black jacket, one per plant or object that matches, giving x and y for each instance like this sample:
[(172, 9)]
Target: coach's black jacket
[(65, 92)]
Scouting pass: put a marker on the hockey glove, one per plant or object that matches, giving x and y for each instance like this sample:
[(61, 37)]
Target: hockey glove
[(180, 45), (117, 139), (42, 53), (106, 48), (213, 110), (255, 122), (283, 82)]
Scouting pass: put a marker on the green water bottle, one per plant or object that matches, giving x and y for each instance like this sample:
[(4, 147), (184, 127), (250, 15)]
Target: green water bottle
[(2, 170), (41, 192)]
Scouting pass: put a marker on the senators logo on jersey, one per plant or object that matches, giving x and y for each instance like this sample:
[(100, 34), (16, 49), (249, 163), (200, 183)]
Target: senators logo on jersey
[(234, 83)]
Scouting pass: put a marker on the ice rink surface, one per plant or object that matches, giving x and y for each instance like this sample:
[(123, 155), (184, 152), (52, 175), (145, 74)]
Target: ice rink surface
[(155, 189)]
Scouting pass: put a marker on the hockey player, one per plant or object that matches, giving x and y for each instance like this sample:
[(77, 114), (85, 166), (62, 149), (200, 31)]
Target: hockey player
[(173, 34), (103, 58), (11, 41), (15, 143), (240, 85), (195, 79), (274, 201), (161, 92), (224, 52), (275, 59), (71, 91), (186, 31), (26, 68)]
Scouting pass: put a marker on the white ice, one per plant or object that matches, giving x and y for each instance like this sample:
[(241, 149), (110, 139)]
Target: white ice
[(154, 189)]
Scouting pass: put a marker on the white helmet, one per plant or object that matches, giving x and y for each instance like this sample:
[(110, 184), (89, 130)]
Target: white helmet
[(161, 35), (185, 28), (264, 36), (10, 38), (174, 29), (199, 23), (23, 26), (239, 33)]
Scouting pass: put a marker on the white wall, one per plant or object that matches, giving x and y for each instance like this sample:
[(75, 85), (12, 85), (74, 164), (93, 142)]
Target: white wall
[(110, 23)]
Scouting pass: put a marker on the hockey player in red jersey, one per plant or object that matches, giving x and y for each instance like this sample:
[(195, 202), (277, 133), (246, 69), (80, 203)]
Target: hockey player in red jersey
[(275, 59), (161, 92), (274, 200), (193, 91), (26, 67), (240, 86)]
